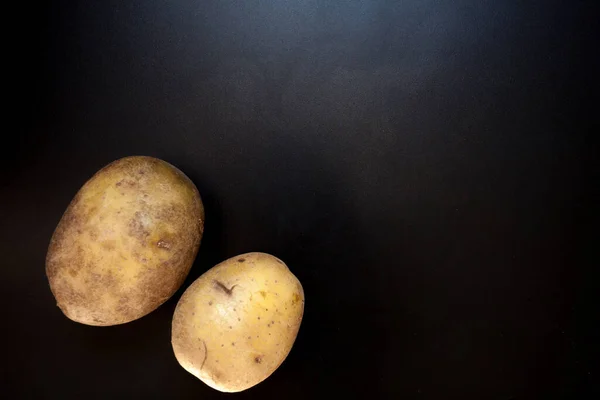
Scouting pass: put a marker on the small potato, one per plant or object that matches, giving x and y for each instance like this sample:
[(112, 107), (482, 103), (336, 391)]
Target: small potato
[(126, 242), (236, 324)]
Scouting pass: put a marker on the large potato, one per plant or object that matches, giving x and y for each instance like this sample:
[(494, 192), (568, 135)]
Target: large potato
[(126, 242), (237, 323)]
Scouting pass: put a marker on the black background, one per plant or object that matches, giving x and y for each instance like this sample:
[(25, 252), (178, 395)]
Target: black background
[(421, 166)]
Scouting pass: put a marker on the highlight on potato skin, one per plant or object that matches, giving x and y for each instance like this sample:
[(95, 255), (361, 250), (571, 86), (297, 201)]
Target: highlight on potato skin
[(126, 242), (236, 324)]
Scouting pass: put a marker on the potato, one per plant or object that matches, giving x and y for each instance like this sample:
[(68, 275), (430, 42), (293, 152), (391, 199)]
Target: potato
[(126, 242), (236, 324)]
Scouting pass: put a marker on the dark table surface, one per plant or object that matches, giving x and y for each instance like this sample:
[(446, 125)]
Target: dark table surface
[(421, 166)]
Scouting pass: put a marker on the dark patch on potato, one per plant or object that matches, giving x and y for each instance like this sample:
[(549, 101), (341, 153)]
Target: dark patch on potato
[(258, 359), (241, 260), (170, 212), (295, 298), (205, 354), (263, 293), (223, 288), (136, 227), (128, 183), (93, 233)]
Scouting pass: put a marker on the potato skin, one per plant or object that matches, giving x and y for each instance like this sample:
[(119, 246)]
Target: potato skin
[(237, 323), (126, 242)]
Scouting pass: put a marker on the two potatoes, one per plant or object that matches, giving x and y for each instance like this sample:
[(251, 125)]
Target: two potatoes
[(125, 245)]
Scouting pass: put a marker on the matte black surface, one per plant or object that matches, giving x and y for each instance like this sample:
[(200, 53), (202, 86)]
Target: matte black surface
[(421, 166)]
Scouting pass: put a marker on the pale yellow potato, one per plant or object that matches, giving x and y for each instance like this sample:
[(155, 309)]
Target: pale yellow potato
[(236, 324), (126, 242)]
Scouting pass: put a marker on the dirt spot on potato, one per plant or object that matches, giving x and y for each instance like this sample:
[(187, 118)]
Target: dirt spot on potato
[(258, 359), (163, 244), (136, 227), (125, 308), (128, 183), (170, 212), (92, 211), (104, 282), (263, 293), (93, 233), (241, 260), (296, 298)]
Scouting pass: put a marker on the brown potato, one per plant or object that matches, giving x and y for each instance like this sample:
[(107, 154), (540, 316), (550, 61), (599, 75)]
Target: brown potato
[(126, 242), (236, 324)]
